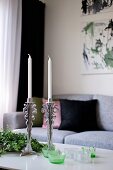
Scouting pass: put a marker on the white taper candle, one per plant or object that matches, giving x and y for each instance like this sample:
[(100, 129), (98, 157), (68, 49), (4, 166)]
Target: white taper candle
[(29, 77), (49, 79)]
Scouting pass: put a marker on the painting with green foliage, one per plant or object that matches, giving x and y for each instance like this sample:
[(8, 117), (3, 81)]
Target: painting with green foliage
[(98, 47)]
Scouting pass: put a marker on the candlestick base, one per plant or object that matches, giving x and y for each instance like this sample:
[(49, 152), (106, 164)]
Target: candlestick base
[(27, 151)]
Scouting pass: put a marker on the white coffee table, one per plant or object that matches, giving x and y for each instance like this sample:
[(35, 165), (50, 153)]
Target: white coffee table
[(104, 161)]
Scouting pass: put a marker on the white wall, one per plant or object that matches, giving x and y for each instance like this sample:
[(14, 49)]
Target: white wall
[(64, 45)]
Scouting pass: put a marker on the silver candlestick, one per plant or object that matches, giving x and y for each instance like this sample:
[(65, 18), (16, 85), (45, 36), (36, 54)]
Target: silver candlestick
[(29, 109), (49, 110)]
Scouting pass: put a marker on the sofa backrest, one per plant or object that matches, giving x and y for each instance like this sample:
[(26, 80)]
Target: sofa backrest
[(74, 96), (105, 111), (104, 108)]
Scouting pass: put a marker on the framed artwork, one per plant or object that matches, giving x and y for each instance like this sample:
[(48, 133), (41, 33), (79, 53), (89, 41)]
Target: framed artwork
[(95, 6), (97, 52)]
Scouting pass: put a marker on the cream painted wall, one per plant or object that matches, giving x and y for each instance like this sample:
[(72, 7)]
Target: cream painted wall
[(63, 23)]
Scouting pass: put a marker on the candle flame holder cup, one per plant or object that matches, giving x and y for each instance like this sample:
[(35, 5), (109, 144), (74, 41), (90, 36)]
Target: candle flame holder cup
[(49, 109), (29, 109)]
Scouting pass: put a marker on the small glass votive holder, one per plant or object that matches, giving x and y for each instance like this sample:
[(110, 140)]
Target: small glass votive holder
[(69, 153), (92, 152), (85, 154), (56, 157), (82, 157)]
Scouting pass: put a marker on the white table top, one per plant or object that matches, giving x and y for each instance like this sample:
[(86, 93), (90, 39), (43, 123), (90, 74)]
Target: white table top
[(104, 161)]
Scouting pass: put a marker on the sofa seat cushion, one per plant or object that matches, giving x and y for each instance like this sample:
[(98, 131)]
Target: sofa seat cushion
[(41, 134), (99, 139)]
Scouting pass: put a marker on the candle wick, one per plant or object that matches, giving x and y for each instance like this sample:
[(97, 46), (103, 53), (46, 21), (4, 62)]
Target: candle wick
[(29, 55)]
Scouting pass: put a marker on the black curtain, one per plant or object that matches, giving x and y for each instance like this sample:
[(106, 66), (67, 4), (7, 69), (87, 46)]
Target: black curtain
[(32, 43)]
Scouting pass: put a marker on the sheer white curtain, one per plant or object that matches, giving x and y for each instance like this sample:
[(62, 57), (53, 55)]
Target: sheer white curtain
[(10, 43)]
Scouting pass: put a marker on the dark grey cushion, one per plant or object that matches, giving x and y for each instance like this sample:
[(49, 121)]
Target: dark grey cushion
[(99, 139), (41, 134), (78, 115)]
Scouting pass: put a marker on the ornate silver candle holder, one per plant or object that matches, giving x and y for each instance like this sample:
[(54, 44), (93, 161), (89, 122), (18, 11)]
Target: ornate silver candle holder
[(29, 109), (49, 110)]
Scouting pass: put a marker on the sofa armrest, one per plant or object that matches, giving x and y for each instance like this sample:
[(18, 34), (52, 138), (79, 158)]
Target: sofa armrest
[(14, 120)]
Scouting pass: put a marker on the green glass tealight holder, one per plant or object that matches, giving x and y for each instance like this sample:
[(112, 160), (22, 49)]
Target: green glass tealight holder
[(46, 150), (56, 157)]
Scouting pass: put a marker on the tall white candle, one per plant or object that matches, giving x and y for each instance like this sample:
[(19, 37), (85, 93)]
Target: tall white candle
[(29, 77), (49, 79)]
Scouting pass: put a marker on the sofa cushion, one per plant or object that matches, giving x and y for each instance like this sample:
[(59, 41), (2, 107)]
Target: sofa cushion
[(99, 139), (41, 134), (78, 115), (105, 112), (57, 119)]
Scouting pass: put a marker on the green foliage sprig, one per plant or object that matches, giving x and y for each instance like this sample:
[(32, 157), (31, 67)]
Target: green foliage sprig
[(15, 142)]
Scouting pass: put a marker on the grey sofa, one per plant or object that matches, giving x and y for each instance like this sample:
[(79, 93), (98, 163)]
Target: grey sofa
[(100, 139)]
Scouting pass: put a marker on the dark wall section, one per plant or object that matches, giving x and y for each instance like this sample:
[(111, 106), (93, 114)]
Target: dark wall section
[(32, 43)]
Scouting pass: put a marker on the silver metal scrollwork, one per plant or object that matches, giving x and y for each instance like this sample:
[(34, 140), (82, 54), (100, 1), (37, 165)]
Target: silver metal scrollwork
[(29, 110), (49, 109)]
